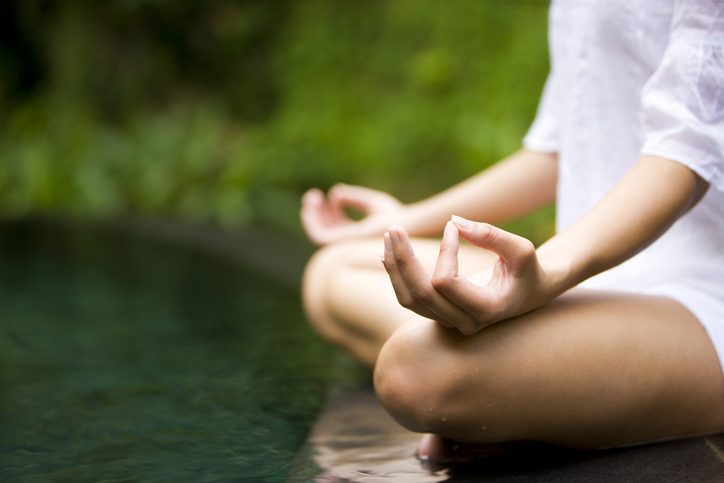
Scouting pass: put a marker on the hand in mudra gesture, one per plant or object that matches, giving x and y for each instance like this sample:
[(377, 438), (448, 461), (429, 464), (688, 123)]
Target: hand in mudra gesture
[(325, 221), (515, 285)]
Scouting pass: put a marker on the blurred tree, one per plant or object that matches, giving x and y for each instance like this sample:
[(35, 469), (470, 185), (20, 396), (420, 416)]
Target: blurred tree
[(19, 59), (123, 55), (228, 110)]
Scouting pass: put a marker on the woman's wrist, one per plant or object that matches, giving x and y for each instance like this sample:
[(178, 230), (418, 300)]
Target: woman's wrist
[(559, 272), (419, 220)]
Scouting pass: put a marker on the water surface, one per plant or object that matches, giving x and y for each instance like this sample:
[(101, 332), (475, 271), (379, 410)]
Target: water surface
[(125, 360)]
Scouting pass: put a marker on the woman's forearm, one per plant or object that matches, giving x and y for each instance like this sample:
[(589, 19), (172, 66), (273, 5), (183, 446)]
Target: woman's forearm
[(638, 210), (513, 187)]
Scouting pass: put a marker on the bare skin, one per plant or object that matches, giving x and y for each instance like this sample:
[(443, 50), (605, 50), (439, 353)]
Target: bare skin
[(658, 366), (516, 185), (514, 352), (589, 370), (349, 299)]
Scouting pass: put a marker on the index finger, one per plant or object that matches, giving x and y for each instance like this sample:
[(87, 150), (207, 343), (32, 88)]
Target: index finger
[(419, 284)]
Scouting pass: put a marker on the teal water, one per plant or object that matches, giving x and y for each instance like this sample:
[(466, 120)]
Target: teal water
[(123, 360)]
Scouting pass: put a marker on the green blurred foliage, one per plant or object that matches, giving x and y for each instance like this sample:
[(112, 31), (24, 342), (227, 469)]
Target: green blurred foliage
[(228, 111)]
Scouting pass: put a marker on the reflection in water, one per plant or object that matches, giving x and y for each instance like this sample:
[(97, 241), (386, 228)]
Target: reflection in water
[(355, 440), (124, 360)]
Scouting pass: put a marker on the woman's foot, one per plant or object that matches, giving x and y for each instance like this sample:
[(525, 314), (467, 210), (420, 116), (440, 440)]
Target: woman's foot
[(434, 449)]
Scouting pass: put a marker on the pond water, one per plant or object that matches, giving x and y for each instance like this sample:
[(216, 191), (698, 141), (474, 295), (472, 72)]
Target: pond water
[(126, 360)]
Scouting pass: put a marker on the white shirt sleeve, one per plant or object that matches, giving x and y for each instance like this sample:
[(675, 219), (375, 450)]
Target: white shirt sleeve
[(683, 101), (543, 133)]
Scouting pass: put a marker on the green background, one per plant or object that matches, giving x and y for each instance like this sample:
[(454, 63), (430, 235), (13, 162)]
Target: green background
[(227, 111)]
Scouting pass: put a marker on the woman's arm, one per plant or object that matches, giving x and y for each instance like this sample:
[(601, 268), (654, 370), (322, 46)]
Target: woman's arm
[(639, 209), (515, 186)]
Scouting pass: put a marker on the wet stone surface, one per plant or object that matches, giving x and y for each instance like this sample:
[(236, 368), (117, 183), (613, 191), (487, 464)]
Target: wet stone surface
[(354, 440)]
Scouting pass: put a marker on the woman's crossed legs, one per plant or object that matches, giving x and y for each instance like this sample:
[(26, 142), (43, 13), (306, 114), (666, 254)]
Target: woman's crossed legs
[(591, 369)]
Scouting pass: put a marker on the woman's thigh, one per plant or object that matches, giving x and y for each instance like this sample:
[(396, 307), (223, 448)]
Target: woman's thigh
[(348, 296), (591, 369)]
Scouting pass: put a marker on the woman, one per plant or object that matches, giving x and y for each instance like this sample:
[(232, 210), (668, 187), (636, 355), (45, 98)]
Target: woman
[(610, 333)]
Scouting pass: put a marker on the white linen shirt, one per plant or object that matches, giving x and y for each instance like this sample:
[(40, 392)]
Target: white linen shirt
[(633, 77)]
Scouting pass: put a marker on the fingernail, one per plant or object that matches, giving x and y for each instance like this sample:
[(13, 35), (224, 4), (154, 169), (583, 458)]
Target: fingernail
[(448, 227), (394, 237), (388, 242), (462, 222)]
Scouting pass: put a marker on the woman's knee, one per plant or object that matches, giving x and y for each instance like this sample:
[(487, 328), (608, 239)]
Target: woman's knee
[(400, 379), (315, 292), (580, 372), (418, 377), (336, 287)]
